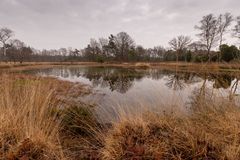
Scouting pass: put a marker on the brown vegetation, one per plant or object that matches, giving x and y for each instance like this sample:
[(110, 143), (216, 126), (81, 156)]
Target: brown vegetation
[(31, 118), (212, 133), (39, 122), (235, 66), (27, 131)]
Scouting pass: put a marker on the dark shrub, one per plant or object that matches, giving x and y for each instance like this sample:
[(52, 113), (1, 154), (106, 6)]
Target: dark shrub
[(229, 53)]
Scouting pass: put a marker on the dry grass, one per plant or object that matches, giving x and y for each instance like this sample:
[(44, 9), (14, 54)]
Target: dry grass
[(142, 65), (27, 130), (42, 118), (211, 132), (38, 115), (30, 122), (200, 67), (32, 127)]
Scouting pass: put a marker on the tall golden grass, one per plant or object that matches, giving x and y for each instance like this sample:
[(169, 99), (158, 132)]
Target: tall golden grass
[(33, 127), (210, 131), (27, 130)]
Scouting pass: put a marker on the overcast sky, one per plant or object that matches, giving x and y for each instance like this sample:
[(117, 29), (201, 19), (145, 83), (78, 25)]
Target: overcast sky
[(64, 23)]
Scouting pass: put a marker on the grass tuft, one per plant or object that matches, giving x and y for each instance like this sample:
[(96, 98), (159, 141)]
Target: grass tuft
[(27, 130), (206, 134)]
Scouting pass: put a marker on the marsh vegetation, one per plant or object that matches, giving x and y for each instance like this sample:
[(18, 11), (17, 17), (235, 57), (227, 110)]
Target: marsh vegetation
[(115, 99), (54, 119)]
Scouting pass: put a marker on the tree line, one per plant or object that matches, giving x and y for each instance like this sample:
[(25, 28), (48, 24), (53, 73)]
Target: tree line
[(122, 47)]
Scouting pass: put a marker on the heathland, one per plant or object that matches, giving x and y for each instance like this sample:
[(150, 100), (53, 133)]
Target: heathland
[(41, 119)]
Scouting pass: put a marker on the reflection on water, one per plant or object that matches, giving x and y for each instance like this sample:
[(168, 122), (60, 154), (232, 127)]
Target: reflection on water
[(156, 87)]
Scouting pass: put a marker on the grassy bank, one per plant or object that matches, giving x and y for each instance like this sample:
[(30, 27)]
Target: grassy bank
[(41, 119), (232, 67), (31, 116), (209, 134), (27, 130)]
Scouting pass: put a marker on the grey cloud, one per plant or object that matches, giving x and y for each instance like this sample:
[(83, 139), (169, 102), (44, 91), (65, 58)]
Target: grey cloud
[(63, 23)]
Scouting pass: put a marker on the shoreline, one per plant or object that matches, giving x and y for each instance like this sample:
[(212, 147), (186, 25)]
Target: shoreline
[(181, 65), (79, 134), (172, 66)]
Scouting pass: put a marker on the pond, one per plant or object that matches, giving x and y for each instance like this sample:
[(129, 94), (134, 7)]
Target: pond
[(131, 89)]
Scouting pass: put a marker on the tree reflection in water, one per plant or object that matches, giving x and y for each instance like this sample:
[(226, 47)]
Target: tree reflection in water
[(123, 79), (176, 82), (204, 94), (116, 79), (222, 81), (179, 80)]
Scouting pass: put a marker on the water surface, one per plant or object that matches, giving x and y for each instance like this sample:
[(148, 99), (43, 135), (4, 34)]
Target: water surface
[(131, 89)]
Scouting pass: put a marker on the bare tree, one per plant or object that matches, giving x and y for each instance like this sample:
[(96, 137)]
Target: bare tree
[(15, 50), (19, 45), (104, 46), (179, 44), (95, 46), (209, 32), (63, 52), (157, 52), (237, 28), (123, 42), (197, 46), (103, 42), (5, 35), (224, 22)]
